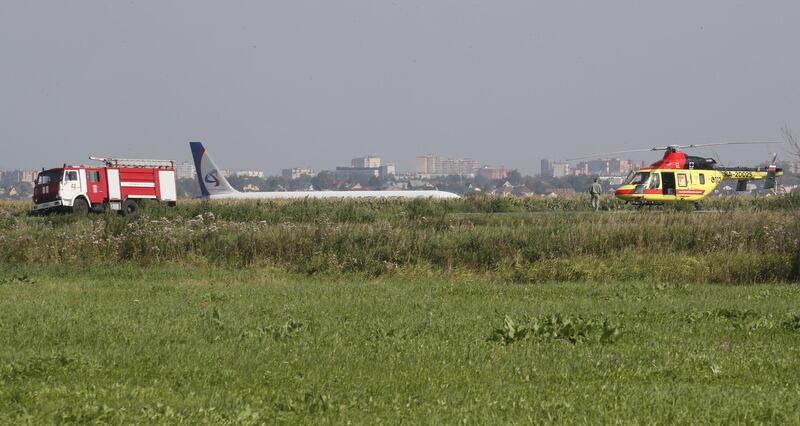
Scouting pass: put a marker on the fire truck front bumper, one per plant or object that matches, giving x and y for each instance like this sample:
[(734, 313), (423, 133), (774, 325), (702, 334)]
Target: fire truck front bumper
[(47, 206)]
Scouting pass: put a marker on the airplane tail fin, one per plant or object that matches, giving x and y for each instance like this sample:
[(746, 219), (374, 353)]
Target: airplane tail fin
[(212, 182)]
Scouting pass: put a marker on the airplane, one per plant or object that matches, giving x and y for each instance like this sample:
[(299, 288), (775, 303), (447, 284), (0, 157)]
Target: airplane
[(681, 177), (214, 186)]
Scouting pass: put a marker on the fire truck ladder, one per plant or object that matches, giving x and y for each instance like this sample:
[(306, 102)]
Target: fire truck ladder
[(134, 162)]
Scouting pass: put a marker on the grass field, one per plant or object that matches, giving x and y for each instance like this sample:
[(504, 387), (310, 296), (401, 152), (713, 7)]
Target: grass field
[(177, 344), (383, 312)]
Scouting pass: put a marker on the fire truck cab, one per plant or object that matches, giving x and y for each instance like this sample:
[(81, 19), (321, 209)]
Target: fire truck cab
[(119, 185)]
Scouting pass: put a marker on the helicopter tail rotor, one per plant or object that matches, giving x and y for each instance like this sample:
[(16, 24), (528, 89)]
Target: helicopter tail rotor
[(770, 181)]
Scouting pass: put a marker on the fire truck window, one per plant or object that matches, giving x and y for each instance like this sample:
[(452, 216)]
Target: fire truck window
[(49, 176), (93, 176), (655, 181), (702, 179), (72, 176), (681, 179)]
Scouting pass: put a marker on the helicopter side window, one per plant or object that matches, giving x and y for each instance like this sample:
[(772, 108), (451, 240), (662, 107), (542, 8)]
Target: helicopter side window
[(702, 179), (655, 182), (681, 179)]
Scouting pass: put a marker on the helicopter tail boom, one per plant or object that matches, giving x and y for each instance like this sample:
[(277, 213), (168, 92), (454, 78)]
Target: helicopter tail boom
[(744, 174)]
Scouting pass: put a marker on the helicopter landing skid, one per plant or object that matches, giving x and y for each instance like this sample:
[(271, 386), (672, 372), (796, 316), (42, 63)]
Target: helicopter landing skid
[(639, 204)]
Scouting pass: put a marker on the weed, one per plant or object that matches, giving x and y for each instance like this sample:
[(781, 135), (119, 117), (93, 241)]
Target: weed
[(287, 330), (17, 279), (793, 323), (574, 329)]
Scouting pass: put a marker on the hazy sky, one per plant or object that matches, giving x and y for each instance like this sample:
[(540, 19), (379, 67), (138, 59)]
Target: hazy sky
[(273, 84)]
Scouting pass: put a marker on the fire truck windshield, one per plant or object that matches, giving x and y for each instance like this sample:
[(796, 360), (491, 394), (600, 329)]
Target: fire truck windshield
[(53, 175)]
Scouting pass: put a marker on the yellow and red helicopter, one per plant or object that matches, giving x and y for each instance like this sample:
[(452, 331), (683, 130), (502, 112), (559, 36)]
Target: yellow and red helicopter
[(681, 177)]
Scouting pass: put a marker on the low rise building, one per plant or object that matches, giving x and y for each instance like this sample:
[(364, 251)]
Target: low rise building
[(356, 173), (364, 168), (493, 173), (297, 173), (185, 171), (554, 169), (434, 165), (605, 167), (386, 170), (368, 162), (249, 173)]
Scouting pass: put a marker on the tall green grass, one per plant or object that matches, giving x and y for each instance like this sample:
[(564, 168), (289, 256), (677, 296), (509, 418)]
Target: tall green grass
[(533, 240)]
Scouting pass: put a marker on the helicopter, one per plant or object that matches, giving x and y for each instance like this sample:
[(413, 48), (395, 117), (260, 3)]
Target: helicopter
[(681, 177)]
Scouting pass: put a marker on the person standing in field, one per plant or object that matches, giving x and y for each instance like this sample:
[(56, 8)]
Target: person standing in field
[(595, 192)]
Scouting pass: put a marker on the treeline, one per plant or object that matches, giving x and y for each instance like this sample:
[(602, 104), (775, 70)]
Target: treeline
[(456, 184)]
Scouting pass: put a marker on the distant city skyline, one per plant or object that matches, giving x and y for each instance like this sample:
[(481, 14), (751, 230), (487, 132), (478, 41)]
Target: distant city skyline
[(270, 85), (607, 165)]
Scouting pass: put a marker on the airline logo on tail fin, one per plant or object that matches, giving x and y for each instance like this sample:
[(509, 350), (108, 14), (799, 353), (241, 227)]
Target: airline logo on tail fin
[(211, 180), (211, 177)]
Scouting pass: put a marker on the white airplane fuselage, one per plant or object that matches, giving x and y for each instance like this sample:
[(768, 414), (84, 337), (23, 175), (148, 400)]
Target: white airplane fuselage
[(295, 195), (214, 186)]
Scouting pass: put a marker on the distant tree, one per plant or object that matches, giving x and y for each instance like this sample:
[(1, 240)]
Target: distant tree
[(187, 188), (236, 182), (362, 180), (794, 148), (299, 184), (271, 183), (375, 182), (323, 180), (22, 189), (580, 183), (514, 177)]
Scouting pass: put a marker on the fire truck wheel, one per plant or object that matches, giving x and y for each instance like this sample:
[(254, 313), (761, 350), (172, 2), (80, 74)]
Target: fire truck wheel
[(80, 207), (130, 208)]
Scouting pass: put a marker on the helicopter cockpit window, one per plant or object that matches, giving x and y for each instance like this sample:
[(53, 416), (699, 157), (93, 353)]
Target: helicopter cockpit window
[(639, 178), (655, 182), (628, 178)]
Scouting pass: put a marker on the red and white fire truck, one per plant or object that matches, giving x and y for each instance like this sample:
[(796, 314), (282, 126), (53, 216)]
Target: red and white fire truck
[(121, 184)]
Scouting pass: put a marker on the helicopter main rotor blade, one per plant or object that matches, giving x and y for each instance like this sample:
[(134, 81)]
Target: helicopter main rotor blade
[(611, 153), (701, 145), (664, 148)]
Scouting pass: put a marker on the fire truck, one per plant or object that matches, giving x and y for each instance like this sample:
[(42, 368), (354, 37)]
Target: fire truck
[(121, 185)]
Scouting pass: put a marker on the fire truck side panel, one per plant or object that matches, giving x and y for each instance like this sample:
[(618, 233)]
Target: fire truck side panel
[(114, 193), (82, 179), (166, 184), (137, 183)]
